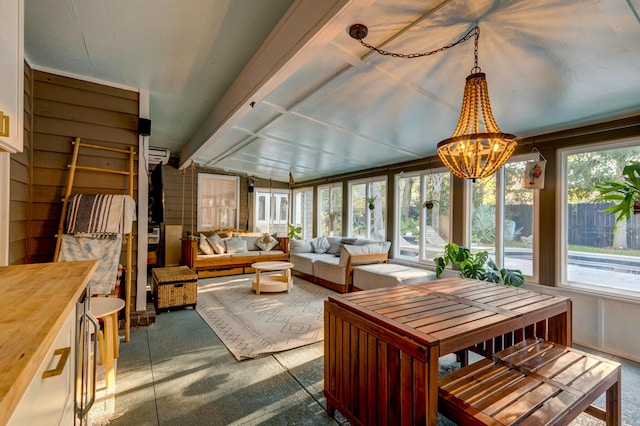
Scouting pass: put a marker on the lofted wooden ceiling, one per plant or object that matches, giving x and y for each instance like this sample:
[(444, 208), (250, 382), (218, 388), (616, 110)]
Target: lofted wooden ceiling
[(265, 88)]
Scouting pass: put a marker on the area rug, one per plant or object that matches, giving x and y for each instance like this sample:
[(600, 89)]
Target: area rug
[(252, 325)]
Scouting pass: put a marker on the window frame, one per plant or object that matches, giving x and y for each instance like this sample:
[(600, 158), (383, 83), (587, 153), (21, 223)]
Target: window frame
[(422, 176), (273, 220), (320, 188), (561, 260), (349, 217), (500, 214), (301, 211), (201, 178)]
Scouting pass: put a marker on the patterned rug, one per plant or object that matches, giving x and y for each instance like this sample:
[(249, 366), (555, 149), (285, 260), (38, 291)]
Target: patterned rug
[(252, 325)]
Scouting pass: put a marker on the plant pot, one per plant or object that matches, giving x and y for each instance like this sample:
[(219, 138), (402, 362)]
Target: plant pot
[(372, 206), (636, 208), (428, 205)]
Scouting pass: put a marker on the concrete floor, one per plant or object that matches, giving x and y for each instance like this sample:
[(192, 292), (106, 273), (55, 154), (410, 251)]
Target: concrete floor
[(177, 372)]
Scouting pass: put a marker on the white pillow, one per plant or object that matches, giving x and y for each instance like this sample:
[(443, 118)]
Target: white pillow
[(320, 245), (235, 245), (266, 243), (204, 245), (299, 246), (217, 244)]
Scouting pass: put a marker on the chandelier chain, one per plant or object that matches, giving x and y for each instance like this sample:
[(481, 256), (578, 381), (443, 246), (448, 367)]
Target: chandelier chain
[(474, 32)]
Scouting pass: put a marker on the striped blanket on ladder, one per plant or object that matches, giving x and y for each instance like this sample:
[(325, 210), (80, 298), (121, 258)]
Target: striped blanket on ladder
[(100, 214)]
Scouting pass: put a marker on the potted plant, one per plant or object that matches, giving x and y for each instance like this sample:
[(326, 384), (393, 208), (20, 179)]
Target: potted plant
[(371, 201), (625, 195), (294, 232), (477, 266)]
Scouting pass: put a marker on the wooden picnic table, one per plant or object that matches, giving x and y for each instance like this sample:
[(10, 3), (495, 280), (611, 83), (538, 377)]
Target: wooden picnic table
[(382, 346)]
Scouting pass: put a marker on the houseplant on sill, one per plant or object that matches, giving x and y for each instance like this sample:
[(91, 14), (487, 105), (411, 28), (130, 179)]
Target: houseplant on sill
[(371, 202), (625, 195), (477, 266)]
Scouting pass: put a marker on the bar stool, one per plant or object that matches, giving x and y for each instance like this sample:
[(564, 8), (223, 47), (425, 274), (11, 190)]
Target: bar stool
[(106, 308)]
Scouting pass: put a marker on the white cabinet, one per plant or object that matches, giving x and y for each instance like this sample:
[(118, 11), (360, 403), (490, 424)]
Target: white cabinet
[(49, 399), (11, 74)]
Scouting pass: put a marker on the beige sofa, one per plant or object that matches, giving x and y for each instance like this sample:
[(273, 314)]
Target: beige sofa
[(332, 266), (237, 261)]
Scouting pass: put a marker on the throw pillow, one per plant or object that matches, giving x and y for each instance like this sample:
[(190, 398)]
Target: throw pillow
[(334, 245), (300, 246), (216, 243), (320, 245), (235, 245), (204, 245), (267, 242), (343, 242)]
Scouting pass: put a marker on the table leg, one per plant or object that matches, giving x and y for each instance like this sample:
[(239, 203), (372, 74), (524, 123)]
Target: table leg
[(109, 367), (287, 273), (116, 338), (258, 281)]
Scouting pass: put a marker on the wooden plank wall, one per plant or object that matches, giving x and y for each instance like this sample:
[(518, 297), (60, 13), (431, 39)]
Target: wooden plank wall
[(20, 179), (63, 109)]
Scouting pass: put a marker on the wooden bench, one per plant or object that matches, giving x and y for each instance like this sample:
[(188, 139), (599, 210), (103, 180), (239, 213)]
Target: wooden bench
[(534, 382)]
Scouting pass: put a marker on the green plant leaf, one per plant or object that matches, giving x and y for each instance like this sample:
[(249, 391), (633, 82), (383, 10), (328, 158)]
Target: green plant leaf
[(512, 277)]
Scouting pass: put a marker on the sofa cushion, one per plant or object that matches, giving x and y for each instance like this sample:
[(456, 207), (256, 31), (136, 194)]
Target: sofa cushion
[(214, 256), (320, 245), (300, 246), (235, 245), (250, 241), (367, 277), (216, 243), (303, 262), (328, 268), (348, 250), (266, 243), (204, 245)]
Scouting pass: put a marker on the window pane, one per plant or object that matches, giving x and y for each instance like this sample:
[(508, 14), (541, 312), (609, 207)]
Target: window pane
[(359, 210), (518, 220), (303, 211), (409, 209), (369, 208), (483, 214), (377, 229), (436, 213), (262, 208), (217, 202), (330, 210), (595, 253)]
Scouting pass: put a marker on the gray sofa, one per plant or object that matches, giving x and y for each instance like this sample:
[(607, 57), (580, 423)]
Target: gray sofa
[(330, 261)]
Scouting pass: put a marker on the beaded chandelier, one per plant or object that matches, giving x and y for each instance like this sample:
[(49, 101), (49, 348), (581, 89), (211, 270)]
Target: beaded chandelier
[(477, 148)]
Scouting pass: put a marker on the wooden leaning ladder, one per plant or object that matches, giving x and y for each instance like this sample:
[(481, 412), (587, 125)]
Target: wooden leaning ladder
[(128, 237)]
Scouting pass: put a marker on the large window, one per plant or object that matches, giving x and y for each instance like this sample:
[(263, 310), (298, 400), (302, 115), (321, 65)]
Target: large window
[(423, 214), (330, 209), (302, 215), (592, 253), (503, 216), (217, 202), (368, 208), (271, 211)]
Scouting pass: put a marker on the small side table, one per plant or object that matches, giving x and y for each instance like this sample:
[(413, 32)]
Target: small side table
[(107, 309), (272, 283)]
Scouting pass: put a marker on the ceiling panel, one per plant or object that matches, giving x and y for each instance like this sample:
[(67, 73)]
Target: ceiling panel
[(322, 103)]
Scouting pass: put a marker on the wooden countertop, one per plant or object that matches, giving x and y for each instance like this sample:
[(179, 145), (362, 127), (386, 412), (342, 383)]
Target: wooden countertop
[(35, 301)]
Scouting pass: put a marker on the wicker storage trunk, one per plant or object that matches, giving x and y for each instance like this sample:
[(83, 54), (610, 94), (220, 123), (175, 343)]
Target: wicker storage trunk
[(174, 286)]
